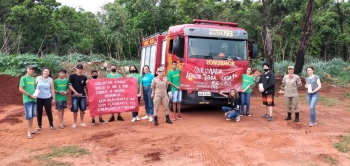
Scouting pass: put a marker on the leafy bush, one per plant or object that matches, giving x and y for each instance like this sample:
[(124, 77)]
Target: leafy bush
[(14, 65), (53, 62)]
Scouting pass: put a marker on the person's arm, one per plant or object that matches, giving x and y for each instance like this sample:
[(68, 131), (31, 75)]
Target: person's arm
[(71, 80), (153, 86), (223, 95), (299, 84), (318, 85), (237, 103), (85, 88), (21, 89), (52, 86), (271, 82)]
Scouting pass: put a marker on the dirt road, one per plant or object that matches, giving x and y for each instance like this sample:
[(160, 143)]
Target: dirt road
[(204, 138)]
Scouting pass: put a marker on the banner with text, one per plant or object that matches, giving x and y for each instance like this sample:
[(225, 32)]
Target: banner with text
[(210, 79), (112, 95)]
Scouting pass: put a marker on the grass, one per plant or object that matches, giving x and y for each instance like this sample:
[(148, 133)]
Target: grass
[(329, 159), (343, 145), (312, 164), (328, 101), (60, 152)]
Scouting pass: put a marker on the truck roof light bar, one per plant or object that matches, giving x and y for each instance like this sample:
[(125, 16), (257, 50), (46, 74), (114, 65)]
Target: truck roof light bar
[(231, 24)]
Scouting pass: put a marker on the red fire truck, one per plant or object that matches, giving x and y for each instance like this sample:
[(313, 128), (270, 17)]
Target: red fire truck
[(212, 56)]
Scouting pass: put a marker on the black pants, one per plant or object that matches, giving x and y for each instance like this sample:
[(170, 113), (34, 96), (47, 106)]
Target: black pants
[(40, 103)]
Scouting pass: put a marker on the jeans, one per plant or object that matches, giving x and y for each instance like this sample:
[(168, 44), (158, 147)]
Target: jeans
[(78, 102), (312, 99), (30, 110), (245, 99), (147, 92), (233, 114), (47, 104), (134, 114)]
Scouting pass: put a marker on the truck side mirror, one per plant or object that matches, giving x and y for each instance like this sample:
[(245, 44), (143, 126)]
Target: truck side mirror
[(253, 53), (178, 47)]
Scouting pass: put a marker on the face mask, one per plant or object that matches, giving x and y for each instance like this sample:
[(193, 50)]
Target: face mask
[(114, 70), (94, 77), (132, 71), (266, 70)]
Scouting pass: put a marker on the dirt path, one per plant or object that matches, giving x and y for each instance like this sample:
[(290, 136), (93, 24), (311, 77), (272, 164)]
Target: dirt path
[(205, 138)]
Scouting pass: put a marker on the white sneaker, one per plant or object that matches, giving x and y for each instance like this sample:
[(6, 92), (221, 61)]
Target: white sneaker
[(82, 124), (137, 118), (228, 119), (133, 119), (150, 118), (238, 118), (145, 117), (74, 125)]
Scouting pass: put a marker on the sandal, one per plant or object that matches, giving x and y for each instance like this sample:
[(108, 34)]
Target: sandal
[(29, 137), (35, 132), (62, 126)]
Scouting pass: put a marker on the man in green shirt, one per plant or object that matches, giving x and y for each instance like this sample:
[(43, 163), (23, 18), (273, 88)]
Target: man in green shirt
[(27, 88), (174, 80), (114, 74), (61, 85)]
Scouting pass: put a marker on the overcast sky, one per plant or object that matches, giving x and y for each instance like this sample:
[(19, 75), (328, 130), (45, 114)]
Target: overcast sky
[(87, 5)]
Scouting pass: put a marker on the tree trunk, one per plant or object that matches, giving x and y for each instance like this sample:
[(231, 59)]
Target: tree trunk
[(344, 49), (268, 49), (305, 38)]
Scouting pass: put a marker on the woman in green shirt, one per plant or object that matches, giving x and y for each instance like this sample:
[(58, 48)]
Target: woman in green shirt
[(135, 73), (247, 84)]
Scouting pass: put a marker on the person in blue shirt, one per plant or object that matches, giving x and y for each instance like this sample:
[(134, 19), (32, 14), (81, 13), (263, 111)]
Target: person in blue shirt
[(147, 78)]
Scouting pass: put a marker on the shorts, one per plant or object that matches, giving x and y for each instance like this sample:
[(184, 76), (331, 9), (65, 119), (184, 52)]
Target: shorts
[(268, 99), (78, 102), (61, 105), (30, 110), (176, 96)]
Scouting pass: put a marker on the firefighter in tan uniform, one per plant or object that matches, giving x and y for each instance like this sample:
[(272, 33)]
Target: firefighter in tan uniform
[(160, 95)]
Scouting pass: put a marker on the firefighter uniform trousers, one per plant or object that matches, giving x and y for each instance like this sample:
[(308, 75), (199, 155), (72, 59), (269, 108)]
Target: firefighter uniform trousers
[(159, 90)]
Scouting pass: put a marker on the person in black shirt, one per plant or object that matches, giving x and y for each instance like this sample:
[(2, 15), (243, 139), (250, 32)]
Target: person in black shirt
[(233, 111), (267, 89), (77, 85)]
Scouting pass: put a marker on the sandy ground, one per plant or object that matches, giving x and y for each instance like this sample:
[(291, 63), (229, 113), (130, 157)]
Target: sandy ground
[(203, 138)]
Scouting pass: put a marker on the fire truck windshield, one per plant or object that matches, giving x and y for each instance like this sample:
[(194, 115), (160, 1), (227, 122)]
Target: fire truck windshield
[(209, 48)]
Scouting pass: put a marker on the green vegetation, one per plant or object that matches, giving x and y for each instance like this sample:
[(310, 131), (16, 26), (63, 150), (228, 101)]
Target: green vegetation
[(328, 101), (329, 159), (343, 145), (60, 152)]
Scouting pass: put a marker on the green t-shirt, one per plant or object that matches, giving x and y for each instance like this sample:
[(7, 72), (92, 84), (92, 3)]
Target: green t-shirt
[(28, 84), (139, 80), (117, 75), (174, 77), (247, 80), (61, 85)]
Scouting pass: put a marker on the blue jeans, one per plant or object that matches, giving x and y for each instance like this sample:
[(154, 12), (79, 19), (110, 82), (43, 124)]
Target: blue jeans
[(312, 99), (78, 102), (30, 110), (233, 114), (245, 99), (147, 92), (134, 114)]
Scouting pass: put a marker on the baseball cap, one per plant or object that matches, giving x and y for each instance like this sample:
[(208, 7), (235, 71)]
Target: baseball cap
[(291, 67), (30, 67), (80, 66)]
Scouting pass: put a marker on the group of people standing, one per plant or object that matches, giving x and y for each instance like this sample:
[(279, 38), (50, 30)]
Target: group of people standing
[(290, 84), (42, 91)]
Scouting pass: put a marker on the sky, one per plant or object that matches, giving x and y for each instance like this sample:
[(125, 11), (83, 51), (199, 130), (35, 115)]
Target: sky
[(87, 5)]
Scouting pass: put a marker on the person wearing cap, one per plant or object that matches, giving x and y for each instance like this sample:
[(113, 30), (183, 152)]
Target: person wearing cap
[(77, 85), (290, 84), (267, 89), (27, 88)]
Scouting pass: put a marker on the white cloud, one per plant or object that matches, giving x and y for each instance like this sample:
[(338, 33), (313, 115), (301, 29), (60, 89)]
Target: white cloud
[(87, 5)]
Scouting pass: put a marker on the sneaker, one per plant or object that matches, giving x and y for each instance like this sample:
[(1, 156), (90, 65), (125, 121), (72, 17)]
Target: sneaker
[(247, 114), (270, 118), (265, 116), (137, 118), (242, 114), (227, 113), (238, 118), (101, 121), (120, 118), (145, 117), (52, 127), (38, 128), (228, 119), (150, 118), (133, 119), (174, 118), (311, 124), (180, 117), (82, 124), (111, 119), (93, 122), (74, 125)]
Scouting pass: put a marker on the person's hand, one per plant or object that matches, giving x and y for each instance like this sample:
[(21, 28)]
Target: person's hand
[(87, 97), (139, 95), (243, 90), (280, 91), (152, 96), (53, 100), (262, 90), (33, 97), (177, 87), (76, 94), (305, 85), (62, 93)]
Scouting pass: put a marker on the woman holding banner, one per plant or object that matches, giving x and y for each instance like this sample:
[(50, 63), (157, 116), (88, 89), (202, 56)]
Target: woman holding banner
[(147, 78), (160, 95), (134, 73)]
